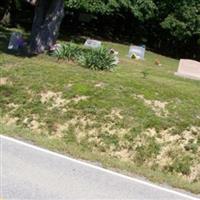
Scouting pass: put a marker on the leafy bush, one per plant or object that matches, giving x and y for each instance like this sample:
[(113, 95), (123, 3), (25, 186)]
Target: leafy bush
[(68, 51), (97, 59)]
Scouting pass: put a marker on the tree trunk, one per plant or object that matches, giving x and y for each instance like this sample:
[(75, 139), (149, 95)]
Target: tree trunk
[(5, 17), (46, 24)]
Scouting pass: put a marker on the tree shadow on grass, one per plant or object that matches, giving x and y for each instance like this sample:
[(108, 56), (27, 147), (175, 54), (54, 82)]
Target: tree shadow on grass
[(5, 34)]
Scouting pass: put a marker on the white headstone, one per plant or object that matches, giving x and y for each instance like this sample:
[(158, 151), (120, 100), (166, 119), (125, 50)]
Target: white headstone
[(137, 51), (94, 44), (189, 69), (16, 41)]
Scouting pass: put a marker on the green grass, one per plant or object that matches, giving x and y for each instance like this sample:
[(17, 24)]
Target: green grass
[(140, 118)]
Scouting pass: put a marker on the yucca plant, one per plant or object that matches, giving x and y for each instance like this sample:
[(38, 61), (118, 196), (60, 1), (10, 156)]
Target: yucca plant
[(59, 53), (97, 59), (68, 51)]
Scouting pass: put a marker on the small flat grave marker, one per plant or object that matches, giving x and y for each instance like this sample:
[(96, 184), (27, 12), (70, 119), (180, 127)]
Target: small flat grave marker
[(137, 51), (94, 44), (189, 69)]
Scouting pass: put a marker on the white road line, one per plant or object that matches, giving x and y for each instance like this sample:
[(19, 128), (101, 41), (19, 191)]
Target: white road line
[(99, 168)]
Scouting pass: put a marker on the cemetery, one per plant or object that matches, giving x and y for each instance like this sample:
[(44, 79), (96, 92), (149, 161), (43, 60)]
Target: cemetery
[(117, 95), (40, 86), (186, 69)]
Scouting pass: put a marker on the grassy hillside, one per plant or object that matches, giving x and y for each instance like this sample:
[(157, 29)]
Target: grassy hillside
[(139, 118)]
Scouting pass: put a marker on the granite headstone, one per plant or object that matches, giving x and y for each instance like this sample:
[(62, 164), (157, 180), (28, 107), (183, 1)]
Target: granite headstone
[(16, 41), (189, 69), (94, 44), (137, 51)]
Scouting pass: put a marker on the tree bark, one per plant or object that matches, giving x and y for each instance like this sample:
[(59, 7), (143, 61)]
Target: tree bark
[(9, 7), (46, 25)]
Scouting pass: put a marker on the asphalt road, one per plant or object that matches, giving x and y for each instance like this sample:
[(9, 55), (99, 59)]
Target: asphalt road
[(28, 172)]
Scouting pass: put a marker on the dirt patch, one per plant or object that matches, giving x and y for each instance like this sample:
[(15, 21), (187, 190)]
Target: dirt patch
[(59, 129), (195, 173), (56, 100), (100, 85), (166, 136), (77, 99), (112, 130), (158, 107), (195, 129), (5, 81), (151, 132), (8, 120), (173, 145), (33, 123), (115, 114), (86, 127), (164, 159), (69, 85), (49, 95), (13, 105), (79, 125), (123, 154)]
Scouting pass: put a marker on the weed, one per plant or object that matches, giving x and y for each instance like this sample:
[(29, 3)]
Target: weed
[(69, 51), (147, 151), (145, 73), (181, 165)]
